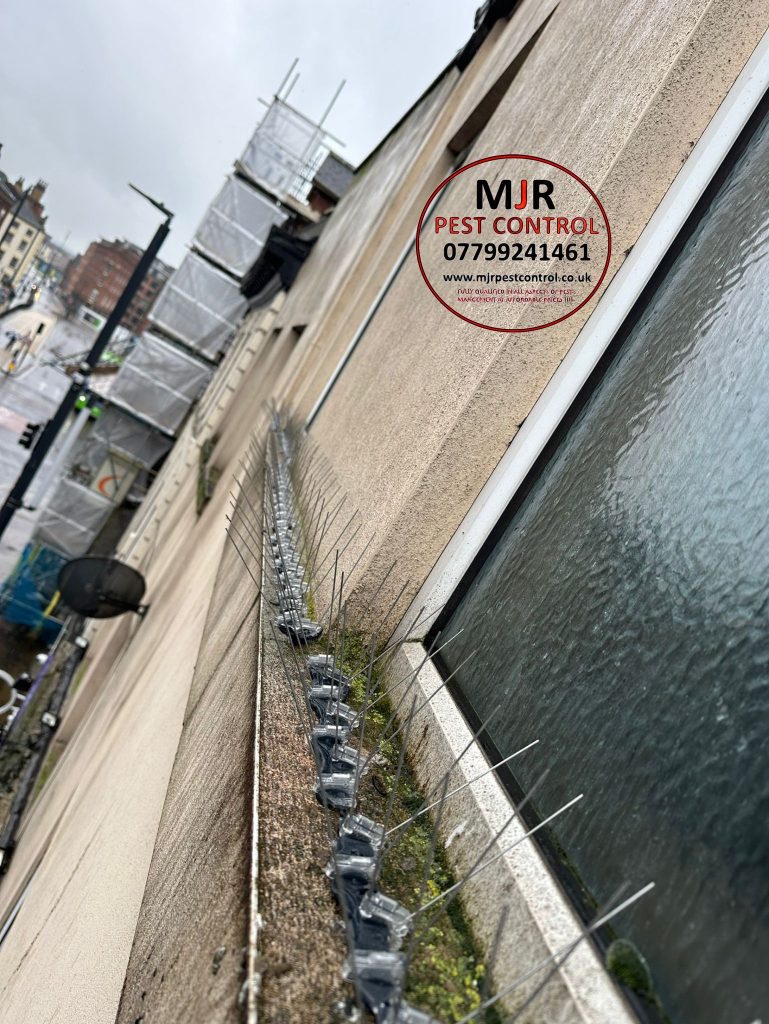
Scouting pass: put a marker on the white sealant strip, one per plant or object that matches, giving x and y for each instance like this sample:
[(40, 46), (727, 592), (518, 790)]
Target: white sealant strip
[(540, 920), (253, 981), (611, 311)]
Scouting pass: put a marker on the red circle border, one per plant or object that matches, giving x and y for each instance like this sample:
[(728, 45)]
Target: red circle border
[(514, 156)]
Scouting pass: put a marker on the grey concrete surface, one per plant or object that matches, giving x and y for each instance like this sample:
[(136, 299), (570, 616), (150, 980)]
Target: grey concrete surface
[(88, 841), (187, 959), (426, 406)]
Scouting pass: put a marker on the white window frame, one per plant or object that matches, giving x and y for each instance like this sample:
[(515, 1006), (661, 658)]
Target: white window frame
[(613, 308), (523, 882)]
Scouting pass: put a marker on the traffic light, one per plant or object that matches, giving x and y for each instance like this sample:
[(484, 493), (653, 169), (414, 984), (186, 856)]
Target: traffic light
[(89, 400), (29, 435)]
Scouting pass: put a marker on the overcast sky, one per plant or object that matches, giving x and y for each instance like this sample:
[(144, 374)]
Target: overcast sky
[(165, 94)]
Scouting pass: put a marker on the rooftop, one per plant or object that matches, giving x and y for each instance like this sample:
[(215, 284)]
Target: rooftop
[(29, 215), (334, 176)]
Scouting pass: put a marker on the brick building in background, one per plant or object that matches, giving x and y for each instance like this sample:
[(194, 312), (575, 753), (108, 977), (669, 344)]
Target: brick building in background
[(97, 279)]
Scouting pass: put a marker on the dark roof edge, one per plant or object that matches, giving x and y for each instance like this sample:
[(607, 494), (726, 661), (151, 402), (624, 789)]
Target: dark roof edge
[(28, 214), (485, 18)]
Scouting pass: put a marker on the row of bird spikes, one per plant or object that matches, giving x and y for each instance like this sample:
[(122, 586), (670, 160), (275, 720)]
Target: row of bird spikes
[(382, 934)]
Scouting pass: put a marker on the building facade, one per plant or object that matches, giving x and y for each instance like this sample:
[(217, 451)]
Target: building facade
[(581, 507), (52, 261), (98, 276), (22, 230)]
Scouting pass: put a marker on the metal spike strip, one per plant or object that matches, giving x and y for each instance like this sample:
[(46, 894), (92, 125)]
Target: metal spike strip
[(375, 925), (285, 544)]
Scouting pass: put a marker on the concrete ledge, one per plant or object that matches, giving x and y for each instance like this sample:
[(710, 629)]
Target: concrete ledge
[(540, 920)]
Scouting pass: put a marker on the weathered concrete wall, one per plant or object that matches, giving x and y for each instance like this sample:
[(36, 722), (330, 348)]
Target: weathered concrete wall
[(90, 836), (378, 217), (427, 405), (241, 390), (187, 961), (345, 270)]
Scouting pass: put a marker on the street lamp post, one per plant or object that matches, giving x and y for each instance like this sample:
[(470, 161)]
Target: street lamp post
[(15, 498)]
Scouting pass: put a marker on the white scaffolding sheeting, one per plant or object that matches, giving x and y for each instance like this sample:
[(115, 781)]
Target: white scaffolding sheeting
[(160, 382), (115, 432), (72, 518), (284, 151), (123, 434), (200, 306), (236, 225)]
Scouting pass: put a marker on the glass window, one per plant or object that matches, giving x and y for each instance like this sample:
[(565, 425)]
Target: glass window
[(623, 618)]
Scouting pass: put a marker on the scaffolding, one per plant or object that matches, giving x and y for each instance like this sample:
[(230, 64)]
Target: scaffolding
[(159, 382), (200, 306), (72, 518), (236, 225), (284, 151), (194, 319)]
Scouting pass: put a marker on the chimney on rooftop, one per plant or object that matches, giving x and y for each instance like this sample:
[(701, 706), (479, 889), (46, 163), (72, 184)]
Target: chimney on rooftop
[(37, 192)]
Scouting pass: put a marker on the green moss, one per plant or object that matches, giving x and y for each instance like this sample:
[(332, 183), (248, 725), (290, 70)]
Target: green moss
[(16, 751), (626, 962), (208, 476), (50, 762), (447, 970), (622, 959), (78, 678)]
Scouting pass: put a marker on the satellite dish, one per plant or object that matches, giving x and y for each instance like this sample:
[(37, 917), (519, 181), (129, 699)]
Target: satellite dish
[(101, 587), (7, 692)]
